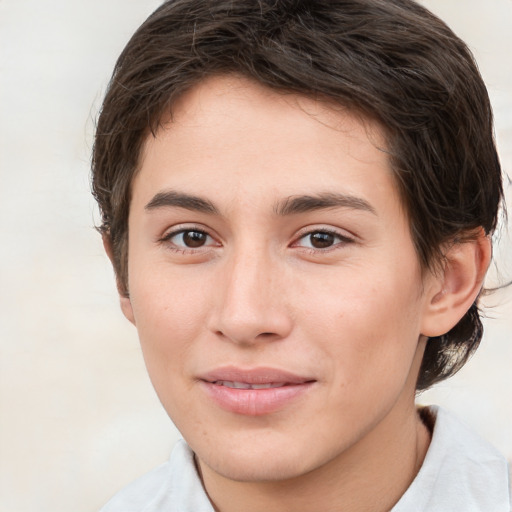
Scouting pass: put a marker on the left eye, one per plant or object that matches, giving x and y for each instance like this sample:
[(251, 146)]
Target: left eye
[(321, 240), (190, 239)]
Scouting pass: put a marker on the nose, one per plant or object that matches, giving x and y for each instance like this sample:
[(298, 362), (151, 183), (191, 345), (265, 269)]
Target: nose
[(250, 306)]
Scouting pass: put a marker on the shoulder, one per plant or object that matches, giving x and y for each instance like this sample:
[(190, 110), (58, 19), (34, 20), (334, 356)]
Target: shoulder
[(173, 486), (461, 471), (134, 497)]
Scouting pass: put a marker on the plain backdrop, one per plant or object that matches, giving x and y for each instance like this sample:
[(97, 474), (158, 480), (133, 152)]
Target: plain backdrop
[(78, 417)]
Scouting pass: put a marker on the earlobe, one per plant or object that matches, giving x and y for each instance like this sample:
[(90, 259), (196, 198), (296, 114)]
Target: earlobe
[(458, 284), (126, 308), (124, 300)]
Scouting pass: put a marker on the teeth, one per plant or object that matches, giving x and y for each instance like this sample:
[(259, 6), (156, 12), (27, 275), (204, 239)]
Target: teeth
[(235, 385), (245, 385), (266, 386)]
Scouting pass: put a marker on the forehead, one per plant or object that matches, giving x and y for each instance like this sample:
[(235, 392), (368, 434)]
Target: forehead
[(233, 101), (229, 136)]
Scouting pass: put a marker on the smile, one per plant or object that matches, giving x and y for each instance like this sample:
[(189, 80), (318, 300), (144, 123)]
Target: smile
[(254, 392), (246, 385)]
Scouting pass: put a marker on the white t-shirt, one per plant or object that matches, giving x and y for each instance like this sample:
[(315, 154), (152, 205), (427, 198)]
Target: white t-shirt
[(461, 473)]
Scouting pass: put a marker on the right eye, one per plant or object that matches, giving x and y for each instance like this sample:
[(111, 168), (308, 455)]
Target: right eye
[(189, 239)]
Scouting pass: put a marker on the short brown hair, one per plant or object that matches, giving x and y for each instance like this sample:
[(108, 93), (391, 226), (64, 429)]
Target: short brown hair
[(392, 61)]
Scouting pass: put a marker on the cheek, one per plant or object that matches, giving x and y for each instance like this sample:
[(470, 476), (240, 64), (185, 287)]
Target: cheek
[(368, 333), (169, 314), (166, 301)]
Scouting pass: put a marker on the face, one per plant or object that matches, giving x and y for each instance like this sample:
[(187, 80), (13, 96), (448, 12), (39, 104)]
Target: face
[(273, 280)]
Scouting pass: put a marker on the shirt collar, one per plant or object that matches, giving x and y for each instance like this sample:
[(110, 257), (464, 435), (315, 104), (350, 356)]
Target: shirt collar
[(461, 471)]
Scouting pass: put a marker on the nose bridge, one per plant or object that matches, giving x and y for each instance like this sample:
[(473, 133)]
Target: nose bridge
[(249, 307)]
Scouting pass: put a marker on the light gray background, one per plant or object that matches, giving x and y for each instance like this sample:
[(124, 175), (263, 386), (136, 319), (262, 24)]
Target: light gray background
[(78, 417)]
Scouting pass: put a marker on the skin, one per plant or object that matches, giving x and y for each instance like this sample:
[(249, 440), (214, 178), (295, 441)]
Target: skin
[(256, 290)]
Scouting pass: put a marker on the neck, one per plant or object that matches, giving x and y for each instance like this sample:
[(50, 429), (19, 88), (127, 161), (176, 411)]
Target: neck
[(371, 475)]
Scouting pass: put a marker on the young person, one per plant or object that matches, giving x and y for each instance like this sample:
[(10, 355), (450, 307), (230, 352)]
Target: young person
[(298, 199)]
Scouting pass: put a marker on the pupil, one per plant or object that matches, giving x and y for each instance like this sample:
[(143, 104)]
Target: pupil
[(194, 238), (322, 240)]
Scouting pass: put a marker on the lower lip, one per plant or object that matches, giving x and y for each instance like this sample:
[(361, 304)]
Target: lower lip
[(255, 402)]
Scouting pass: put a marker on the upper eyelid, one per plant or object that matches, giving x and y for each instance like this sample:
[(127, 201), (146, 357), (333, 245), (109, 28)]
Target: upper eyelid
[(182, 228), (172, 234), (301, 233), (324, 229), (344, 239), (166, 240)]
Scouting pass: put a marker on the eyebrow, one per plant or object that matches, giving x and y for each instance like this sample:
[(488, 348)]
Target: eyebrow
[(290, 206), (306, 203), (181, 200)]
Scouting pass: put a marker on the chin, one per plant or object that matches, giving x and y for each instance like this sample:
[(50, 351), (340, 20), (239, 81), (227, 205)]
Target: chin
[(263, 461), (260, 469)]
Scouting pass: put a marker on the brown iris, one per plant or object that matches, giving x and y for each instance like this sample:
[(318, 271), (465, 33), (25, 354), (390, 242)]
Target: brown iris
[(321, 240), (194, 239)]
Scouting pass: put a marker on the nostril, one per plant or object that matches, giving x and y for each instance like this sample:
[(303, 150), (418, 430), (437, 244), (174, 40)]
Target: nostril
[(260, 335), (267, 336)]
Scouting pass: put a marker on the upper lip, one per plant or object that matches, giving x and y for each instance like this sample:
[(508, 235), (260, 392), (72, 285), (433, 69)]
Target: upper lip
[(259, 375)]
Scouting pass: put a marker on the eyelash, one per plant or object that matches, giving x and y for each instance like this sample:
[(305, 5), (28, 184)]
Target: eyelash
[(167, 239), (342, 240)]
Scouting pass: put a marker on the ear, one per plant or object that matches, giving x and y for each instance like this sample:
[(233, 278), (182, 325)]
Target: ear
[(124, 298), (453, 290)]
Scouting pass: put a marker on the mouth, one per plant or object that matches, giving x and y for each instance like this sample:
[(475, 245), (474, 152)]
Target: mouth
[(246, 385), (254, 392)]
